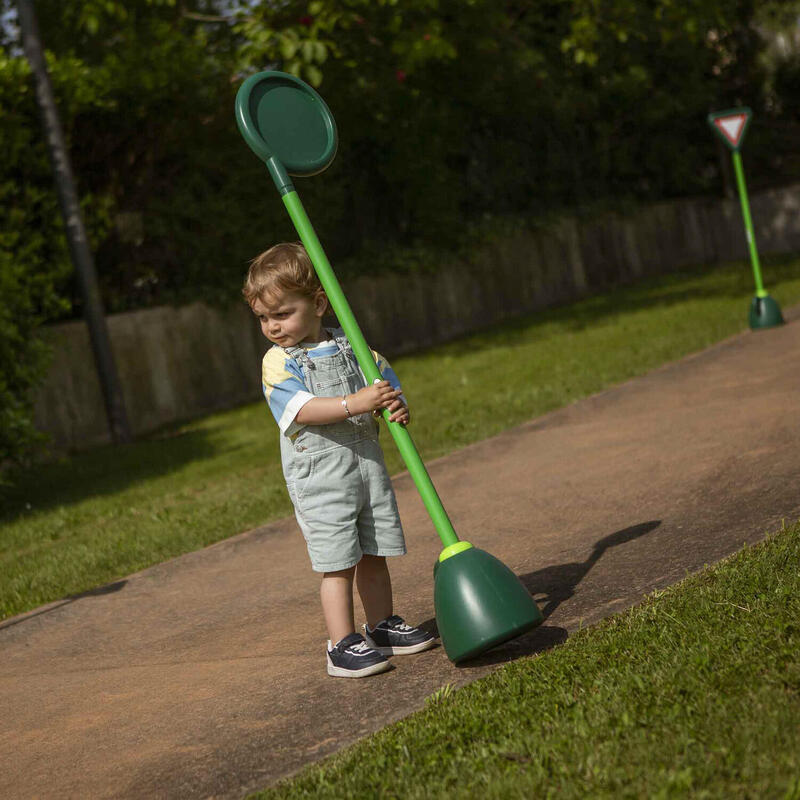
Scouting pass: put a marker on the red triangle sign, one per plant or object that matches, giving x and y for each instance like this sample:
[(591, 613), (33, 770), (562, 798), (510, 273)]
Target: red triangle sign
[(732, 127)]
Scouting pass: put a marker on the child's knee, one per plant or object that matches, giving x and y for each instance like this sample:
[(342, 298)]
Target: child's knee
[(346, 574), (371, 562)]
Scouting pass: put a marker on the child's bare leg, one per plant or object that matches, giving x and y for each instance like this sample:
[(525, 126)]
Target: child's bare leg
[(336, 593), (375, 588)]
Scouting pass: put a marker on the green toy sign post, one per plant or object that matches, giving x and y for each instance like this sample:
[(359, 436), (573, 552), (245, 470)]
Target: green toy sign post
[(731, 127), (479, 601)]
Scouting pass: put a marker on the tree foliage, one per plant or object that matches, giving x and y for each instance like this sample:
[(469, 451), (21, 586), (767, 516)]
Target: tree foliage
[(451, 113), (33, 262)]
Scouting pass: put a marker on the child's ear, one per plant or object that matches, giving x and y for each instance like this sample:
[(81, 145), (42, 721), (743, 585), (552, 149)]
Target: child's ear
[(321, 303)]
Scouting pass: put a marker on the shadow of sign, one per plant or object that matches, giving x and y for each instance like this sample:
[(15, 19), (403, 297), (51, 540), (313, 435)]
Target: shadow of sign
[(558, 583)]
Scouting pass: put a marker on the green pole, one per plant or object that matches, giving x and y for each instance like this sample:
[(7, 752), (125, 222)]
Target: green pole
[(748, 223), (341, 307)]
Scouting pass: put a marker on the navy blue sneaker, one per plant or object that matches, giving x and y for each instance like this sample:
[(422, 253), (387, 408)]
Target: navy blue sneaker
[(354, 658), (393, 637)]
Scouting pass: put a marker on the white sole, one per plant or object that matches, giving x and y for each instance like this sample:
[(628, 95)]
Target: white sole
[(339, 672), (399, 651)]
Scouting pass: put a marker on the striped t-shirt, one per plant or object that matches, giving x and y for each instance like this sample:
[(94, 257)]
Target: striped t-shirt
[(283, 380)]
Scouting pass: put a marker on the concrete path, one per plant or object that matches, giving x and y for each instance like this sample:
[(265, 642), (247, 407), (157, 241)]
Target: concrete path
[(204, 676)]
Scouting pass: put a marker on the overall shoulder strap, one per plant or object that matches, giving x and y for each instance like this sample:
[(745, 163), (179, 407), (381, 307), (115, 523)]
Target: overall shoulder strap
[(305, 362)]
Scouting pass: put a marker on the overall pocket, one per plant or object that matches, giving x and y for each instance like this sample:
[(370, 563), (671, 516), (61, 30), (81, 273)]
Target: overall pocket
[(301, 475)]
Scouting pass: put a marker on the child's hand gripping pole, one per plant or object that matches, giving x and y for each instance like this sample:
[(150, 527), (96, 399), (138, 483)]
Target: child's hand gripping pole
[(368, 366)]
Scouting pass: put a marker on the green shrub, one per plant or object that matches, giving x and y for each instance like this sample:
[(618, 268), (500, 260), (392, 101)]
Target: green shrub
[(33, 262)]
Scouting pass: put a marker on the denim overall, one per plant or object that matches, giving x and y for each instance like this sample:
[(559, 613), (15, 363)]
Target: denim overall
[(336, 475)]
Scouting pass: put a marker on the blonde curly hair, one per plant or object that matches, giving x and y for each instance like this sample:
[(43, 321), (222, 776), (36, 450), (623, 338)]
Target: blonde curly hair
[(283, 269)]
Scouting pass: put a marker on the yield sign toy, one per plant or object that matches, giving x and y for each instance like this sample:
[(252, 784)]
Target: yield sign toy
[(731, 127)]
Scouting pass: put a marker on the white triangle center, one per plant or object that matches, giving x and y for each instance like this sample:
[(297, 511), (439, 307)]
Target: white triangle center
[(732, 127)]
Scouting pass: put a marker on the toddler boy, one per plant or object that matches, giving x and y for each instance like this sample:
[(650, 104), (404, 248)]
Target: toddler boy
[(332, 462)]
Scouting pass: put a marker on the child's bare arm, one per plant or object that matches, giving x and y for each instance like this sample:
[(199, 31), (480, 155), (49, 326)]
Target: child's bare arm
[(325, 410)]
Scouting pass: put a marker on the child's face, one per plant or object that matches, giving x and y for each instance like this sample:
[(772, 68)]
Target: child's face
[(288, 319)]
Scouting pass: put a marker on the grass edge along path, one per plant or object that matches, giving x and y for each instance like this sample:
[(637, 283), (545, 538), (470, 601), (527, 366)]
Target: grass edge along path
[(97, 516), (693, 693)]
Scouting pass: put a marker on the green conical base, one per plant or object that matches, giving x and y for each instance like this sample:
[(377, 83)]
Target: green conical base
[(479, 603), (765, 313)]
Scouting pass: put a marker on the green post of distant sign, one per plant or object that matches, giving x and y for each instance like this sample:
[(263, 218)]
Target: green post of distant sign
[(731, 127)]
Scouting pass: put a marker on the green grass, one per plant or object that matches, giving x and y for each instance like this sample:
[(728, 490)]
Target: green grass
[(695, 693), (88, 519)]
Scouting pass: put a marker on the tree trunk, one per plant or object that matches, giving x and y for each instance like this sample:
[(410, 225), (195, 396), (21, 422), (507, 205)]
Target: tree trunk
[(75, 230)]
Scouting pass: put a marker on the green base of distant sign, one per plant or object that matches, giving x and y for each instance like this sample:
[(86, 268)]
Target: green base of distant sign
[(764, 313)]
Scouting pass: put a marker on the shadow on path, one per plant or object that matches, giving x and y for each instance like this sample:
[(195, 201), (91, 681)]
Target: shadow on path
[(558, 583), (100, 590), (529, 644)]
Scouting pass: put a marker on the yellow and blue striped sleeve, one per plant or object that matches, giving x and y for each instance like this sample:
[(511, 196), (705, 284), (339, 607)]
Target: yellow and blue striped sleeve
[(386, 371), (284, 388)]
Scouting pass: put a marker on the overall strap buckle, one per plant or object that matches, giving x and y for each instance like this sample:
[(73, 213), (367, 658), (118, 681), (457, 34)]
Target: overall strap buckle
[(299, 355), (343, 344)]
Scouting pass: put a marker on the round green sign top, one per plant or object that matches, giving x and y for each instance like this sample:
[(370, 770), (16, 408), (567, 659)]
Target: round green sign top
[(281, 117)]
